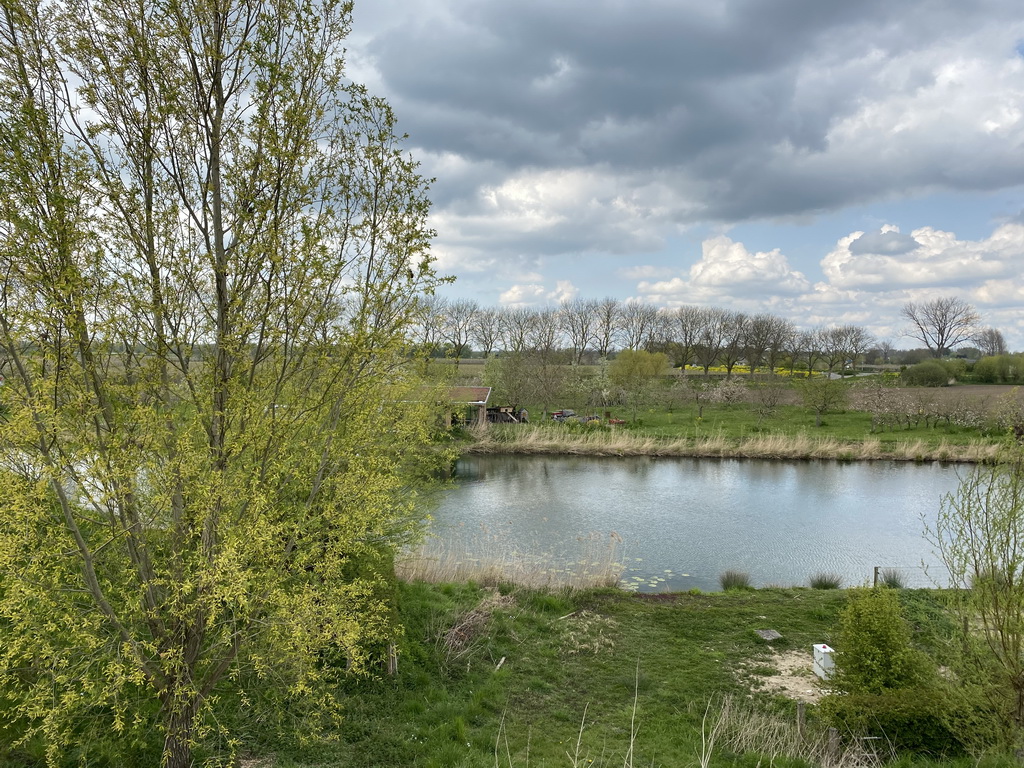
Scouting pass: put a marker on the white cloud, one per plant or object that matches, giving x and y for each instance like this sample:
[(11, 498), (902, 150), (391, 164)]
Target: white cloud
[(939, 259), (532, 294), (727, 271)]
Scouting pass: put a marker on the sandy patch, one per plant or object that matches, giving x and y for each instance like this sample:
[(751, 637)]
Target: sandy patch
[(793, 676)]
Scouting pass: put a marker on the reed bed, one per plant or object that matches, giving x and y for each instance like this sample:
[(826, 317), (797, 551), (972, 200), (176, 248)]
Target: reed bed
[(490, 561), (542, 439)]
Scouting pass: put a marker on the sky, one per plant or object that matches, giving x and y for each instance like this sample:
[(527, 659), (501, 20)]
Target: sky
[(823, 161)]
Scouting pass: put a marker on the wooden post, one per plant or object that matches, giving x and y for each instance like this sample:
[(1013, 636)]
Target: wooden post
[(392, 659), (833, 746), (875, 584), (801, 713)]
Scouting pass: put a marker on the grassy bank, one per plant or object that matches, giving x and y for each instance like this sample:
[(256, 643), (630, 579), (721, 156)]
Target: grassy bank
[(612, 441), (514, 677)]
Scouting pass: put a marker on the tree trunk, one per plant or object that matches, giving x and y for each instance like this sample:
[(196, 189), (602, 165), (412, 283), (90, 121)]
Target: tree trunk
[(180, 721)]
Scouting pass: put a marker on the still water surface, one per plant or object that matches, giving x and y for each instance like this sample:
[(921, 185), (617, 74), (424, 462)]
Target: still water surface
[(685, 521)]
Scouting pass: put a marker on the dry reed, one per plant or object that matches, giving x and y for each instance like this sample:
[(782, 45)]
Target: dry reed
[(537, 439)]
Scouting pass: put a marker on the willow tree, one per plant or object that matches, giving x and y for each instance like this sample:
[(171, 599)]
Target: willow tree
[(211, 245)]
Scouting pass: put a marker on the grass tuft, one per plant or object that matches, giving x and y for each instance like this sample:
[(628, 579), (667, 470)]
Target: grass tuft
[(826, 581), (891, 577), (734, 580)]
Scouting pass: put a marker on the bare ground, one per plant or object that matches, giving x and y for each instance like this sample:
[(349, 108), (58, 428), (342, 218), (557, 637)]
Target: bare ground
[(792, 678)]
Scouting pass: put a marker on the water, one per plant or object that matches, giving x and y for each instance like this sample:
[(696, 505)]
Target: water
[(685, 521)]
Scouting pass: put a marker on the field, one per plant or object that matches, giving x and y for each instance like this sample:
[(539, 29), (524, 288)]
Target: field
[(956, 423)]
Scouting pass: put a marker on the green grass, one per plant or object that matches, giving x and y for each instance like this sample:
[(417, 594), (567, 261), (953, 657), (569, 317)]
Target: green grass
[(740, 420), (564, 654)]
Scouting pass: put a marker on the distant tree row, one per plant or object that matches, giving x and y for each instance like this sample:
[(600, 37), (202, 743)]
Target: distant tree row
[(690, 335)]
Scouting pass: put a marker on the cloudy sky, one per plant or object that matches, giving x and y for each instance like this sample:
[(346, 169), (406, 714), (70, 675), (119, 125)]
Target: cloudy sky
[(825, 161)]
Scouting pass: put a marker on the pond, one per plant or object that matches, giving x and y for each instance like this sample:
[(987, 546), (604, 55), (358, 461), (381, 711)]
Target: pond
[(677, 524)]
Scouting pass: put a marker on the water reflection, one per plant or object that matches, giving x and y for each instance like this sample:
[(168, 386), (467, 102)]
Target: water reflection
[(684, 521)]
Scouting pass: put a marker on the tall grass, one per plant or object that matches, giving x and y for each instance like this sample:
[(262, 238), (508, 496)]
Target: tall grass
[(490, 560), (545, 438), (826, 581), (732, 580)]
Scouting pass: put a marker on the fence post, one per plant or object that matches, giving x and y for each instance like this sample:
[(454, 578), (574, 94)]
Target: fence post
[(833, 746), (800, 718), (877, 568)]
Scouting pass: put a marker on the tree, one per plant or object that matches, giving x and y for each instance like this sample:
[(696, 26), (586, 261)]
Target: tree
[(212, 248), (822, 395), (487, 330), (459, 317), (979, 536), (941, 324), (637, 321), (990, 342), (606, 328), (713, 325), (578, 316), (635, 373)]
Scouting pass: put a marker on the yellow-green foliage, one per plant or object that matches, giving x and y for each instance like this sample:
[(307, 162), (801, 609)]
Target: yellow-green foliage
[(212, 443)]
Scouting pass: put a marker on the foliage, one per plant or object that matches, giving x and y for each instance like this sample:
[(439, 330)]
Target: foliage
[(213, 247), (635, 372), (874, 650), (914, 719), (822, 395), (884, 685), (999, 369), (979, 536), (928, 374)]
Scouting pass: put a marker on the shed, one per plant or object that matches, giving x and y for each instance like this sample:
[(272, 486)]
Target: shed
[(475, 398)]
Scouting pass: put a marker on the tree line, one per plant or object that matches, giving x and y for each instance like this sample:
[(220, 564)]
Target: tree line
[(690, 335)]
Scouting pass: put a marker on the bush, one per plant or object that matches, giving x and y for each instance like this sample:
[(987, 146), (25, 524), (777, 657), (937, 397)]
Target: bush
[(874, 652), (912, 719), (826, 581), (734, 580), (928, 374)]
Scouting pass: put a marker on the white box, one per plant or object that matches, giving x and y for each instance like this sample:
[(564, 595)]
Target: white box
[(824, 665)]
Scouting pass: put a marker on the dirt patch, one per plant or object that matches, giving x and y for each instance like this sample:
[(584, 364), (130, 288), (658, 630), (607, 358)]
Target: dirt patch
[(792, 678)]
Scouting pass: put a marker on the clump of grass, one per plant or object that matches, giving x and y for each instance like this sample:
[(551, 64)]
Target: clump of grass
[(826, 581), (891, 577), (734, 580)]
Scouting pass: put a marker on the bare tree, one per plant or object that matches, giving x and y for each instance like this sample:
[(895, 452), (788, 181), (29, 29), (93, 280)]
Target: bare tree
[(763, 341), (636, 322), (713, 325), (516, 324), (457, 326), (733, 340), (991, 342), (687, 333), (487, 330), (579, 321), (429, 322), (607, 326), (941, 324)]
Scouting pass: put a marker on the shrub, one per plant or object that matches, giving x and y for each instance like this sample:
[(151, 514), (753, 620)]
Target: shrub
[(826, 581), (928, 374), (908, 718), (734, 580), (874, 652)]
